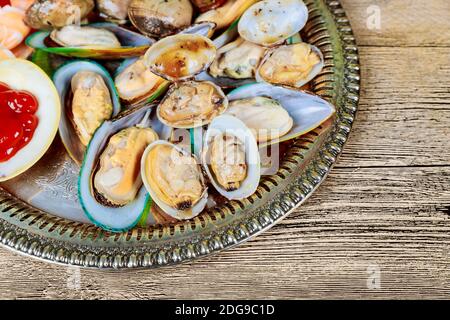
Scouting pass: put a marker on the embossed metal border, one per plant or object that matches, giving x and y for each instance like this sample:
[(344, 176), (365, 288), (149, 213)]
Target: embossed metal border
[(35, 233)]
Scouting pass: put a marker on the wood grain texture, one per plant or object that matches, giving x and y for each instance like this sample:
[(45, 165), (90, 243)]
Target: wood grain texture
[(402, 23), (385, 206)]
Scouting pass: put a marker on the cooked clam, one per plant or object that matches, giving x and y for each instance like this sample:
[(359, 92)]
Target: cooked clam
[(91, 103), (118, 178), (174, 179), (237, 60), (228, 161), (136, 83), (230, 157), (158, 18), (291, 65), (266, 117), (271, 22), (180, 57), (116, 10), (225, 15), (85, 36), (192, 104), (47, 14)]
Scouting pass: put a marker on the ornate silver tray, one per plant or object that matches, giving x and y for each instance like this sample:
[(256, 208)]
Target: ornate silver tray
[(29, 225)]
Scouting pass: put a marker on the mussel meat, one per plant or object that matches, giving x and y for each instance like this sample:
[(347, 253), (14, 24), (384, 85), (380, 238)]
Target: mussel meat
[(192, 104), (265, 117), (91, 104), (47, 14), (136, 82), (118, 178), (84, 37)]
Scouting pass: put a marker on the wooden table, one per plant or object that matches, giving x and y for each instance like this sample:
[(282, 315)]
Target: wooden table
[(379, 227)]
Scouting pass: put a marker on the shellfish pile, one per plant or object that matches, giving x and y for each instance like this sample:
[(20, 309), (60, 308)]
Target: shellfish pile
[(228, 73)]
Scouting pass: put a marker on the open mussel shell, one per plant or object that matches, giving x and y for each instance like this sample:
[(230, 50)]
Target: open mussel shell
[(136, 84), (62, 79), (180, 57), (112, 218), (133, 44), (271, 22), (229, 125), (276, 61), (174, 212), (308, 111)]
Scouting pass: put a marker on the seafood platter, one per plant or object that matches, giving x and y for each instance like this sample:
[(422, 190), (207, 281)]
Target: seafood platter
[(139, 133)]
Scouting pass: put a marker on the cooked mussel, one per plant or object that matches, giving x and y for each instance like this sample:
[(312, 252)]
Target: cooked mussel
[(85, 37), (118, 178), (136, 83), (192, 104), (156, 18), (276, 114), (265, 117), (88, 97), (91, 103), (174, 179), (48, 14), (291, 65), (110, 186), (97, 40)]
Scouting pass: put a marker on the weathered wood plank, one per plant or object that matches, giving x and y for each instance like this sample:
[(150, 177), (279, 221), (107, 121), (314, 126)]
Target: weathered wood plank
[(404, 114), (393, 220), (402, 23)]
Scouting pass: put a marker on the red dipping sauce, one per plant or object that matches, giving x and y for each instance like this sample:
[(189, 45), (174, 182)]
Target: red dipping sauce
[(18, 121)]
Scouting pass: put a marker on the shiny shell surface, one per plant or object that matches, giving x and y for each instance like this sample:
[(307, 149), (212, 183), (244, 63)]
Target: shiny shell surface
[(180, 57), (271, 22)]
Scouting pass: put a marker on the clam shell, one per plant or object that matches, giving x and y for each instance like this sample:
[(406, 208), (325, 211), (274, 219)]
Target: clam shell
[(307, 110), (62, 79), (233, 126), (156, 18), (301, 82), (197, 55), (115, 219), (174, 213), (271, 22), (195, 122), (133, 44)]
